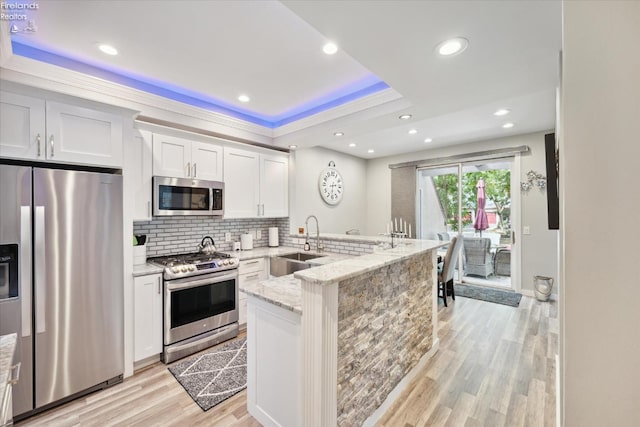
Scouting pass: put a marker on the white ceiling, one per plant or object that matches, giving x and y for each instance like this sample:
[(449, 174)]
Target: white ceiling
[(272, 52)]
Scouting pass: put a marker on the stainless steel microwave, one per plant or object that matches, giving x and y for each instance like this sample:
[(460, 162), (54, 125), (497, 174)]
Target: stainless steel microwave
[(184, 196)]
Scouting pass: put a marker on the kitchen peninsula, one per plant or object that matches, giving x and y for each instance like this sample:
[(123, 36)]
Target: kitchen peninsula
[(335, 344)]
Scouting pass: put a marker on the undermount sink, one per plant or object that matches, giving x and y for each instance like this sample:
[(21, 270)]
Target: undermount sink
[(288, 264), (301, 256)]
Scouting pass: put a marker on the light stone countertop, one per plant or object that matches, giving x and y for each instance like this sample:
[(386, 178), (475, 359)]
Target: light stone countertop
[(353, 238), (286, 291), (349, 268), (263, 252), (7, 348), (146, 269)]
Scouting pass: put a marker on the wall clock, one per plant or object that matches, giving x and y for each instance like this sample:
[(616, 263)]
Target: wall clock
[(331, 185)]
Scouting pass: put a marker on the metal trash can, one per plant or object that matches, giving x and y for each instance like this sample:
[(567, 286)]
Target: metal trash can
[(542, 287)]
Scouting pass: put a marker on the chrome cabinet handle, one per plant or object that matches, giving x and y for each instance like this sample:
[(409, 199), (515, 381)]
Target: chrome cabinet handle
[(251, 262), (51, 143), (159, 286), (188, 168), (258, 209), (149, 208), (194, 170), (253, 276), (263, 209), (38, 140)]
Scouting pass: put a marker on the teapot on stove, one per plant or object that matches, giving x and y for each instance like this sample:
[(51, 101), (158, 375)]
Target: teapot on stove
[(207, 245)]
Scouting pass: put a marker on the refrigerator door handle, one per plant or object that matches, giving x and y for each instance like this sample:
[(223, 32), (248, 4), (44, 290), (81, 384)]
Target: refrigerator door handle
[(25, 269), (40, 270)]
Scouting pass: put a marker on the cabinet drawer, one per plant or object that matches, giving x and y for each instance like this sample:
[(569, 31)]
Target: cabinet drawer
[(251, 266)]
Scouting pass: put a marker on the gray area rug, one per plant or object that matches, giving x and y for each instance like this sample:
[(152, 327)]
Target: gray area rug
[(498, 296), (215, 376)]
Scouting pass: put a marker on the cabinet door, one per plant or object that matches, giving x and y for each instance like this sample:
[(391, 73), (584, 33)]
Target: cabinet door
[(22, 132), (83, 136), (138, 164), (242, 184), (274, 185), (171, 156), (147, 316), (207, 161)]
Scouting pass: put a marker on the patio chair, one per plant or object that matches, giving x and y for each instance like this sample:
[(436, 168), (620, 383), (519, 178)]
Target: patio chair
[(478, 256), (446, 269)]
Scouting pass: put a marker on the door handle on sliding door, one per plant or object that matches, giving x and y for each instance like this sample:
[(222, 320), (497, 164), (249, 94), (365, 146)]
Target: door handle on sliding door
[(40, 270), (25, 269)]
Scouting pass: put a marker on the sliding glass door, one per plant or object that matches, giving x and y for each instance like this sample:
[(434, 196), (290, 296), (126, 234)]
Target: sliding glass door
[(473, 199)]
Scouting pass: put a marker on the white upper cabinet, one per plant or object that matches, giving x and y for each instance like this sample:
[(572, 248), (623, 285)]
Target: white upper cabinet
[(274, 185), (182, 158), (35, 129), (138, 164), (207, 161), (22, 132), (241, 183), (256, 184)]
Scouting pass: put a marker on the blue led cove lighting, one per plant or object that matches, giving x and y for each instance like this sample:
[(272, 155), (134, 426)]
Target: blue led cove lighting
[(368, 86)]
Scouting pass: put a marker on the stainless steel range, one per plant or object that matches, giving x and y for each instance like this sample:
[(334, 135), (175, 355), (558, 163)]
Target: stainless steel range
[(200, 301)]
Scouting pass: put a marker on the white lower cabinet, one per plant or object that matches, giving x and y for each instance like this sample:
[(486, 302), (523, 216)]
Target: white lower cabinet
[(250, 271), (147, 316)]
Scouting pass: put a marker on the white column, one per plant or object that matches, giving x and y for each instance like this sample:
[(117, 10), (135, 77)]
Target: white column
[(319, 354)]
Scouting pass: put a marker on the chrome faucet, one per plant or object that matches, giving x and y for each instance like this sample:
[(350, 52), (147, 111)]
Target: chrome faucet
[(319, 246)]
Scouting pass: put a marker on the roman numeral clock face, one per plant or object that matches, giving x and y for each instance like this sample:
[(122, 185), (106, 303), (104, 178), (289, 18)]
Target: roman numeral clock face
[(331, 186)]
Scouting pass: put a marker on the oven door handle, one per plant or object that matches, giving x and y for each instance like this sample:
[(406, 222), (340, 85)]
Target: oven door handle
[(187, 283)]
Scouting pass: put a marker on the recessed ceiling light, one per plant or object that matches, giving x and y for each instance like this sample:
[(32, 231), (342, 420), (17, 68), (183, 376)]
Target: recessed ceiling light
[(405, 117), (452, 46), (428, 140), (338, 133), (293, 147), (352, 145), (371, 151), (412, 131), (502, 112), (330, 48), (244, 98), (507, 125), (108, 49)]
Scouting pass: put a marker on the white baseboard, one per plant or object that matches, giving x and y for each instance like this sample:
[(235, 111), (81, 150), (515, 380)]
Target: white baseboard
[(402, 385)]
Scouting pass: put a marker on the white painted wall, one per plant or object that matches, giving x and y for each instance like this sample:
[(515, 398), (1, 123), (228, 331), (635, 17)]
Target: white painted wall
[(539, 249), (599, 152), (349, 213)]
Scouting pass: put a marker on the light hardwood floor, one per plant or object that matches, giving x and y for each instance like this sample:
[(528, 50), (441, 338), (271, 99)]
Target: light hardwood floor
[(495, 367)]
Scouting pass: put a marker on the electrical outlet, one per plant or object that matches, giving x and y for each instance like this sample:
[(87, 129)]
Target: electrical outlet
[(526, 230), (259, 234), (227, 237)]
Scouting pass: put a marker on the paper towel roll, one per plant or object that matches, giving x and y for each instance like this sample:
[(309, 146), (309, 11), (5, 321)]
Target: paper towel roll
[(273, 236), (246, 241)]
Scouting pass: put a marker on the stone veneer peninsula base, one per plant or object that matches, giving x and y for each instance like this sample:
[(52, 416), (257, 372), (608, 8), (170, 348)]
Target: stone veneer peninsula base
[(363, 328)]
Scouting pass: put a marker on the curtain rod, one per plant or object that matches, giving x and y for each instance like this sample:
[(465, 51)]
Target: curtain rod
[(478, 155)]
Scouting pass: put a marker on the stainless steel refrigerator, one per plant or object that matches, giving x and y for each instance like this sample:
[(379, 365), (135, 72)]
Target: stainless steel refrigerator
[(61, 272)]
